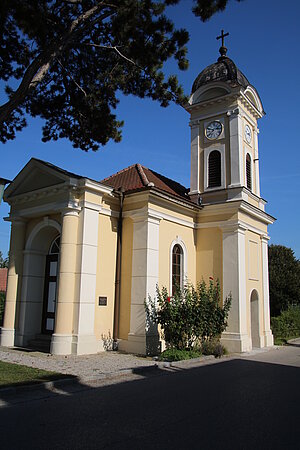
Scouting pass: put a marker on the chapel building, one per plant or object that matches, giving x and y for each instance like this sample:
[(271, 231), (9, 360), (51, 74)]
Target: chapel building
[(85, 254)]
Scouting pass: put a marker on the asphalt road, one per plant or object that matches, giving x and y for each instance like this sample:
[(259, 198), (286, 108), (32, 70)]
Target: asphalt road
[(243, 403)]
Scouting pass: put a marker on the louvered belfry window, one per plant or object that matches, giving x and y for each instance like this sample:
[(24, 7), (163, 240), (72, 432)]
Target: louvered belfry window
[(248, 172), (214, 169), (177, 257)]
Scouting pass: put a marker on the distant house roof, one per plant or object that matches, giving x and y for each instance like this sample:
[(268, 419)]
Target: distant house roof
[(3, 280), (136, 177)]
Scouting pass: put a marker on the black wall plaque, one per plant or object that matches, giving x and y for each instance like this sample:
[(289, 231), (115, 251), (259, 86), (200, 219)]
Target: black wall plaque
[(102, 301)]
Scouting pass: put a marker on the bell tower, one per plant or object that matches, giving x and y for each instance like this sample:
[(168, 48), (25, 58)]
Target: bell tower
[(232, 236), (224, 108)]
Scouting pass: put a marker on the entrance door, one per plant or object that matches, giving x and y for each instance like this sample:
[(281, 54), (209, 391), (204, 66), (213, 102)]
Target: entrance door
[(50, 294)]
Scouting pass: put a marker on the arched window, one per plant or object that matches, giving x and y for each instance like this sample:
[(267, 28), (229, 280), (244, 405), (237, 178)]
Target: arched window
[(177, 268), (54, 247), (214, 169), (50, 287), (248, 172)]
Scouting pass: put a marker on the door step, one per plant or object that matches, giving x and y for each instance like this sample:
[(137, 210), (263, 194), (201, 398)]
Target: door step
[(41, 343)]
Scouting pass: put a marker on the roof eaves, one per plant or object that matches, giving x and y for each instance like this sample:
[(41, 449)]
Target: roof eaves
[(160, 192)]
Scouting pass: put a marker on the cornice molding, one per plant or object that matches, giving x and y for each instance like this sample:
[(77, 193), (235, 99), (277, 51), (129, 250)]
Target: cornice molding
[(257, 213), (38, 194), (94, 186)]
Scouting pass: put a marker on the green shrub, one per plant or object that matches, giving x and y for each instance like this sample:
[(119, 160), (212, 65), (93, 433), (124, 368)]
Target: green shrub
[(213, 347), (2, 304), (191, 316), (287, 325), (173, 354)]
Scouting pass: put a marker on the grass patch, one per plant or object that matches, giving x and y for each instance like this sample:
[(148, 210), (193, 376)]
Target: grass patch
[(15, 374), (172, 354)]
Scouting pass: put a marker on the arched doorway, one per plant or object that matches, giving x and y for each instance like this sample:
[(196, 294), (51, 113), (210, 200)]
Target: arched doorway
[(254, 313), (50, 287), (40, 246)]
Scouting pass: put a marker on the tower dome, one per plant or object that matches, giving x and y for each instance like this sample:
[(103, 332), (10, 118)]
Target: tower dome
[(224, 70), (223, 78)]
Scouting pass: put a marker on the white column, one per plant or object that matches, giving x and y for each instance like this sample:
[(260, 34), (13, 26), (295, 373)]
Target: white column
[(235, 338), (62, 338), (14, 282), (195, 160), (84, 339), (236, 150), (268, 337), (145, 260), (256, 164)]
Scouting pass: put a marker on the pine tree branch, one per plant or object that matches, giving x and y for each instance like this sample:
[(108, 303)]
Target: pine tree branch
[(110, 47), (39, 67), (74, 81)]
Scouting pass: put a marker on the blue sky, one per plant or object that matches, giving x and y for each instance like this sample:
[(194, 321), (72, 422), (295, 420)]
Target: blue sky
[(264, 43)]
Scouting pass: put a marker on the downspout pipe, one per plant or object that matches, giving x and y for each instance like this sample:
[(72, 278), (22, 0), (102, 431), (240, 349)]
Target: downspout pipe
[(118, 270)]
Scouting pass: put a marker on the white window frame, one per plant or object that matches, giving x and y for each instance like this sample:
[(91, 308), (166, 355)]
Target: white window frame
[(178, 241), (207, 151)]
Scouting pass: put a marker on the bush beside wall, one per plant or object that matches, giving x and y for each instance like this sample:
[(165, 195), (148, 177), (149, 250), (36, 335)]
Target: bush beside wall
[(287, 325)]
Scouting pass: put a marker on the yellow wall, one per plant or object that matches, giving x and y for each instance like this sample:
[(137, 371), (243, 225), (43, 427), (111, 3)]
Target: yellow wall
[(253, 222), (209, 254), (105, 282), (253, 274), (126, 274)]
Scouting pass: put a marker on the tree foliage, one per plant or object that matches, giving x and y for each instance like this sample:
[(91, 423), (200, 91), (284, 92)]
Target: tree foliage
[(284, 278), (71, 58), (287, 325), (3, 261), (191, 317)]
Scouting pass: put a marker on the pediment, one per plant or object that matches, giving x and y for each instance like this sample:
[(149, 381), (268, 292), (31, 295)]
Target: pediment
[(34, 176), (210, 92), (252, 95)]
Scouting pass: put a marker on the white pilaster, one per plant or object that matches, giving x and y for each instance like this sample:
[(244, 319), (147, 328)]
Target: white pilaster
[(235, 338), (195, 162), (84, 339), (268, 337), (145, 260), (14, 282), (256, 163), (236, 150)]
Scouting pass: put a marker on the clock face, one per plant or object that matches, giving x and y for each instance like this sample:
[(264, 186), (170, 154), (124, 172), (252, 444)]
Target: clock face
[(213, 129), (248, 134)]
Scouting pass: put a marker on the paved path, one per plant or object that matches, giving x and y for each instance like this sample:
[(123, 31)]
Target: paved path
[(94, 367), (240, 403), (86, 367)]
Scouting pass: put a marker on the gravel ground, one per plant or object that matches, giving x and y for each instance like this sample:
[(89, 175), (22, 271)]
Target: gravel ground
[(86, 367)]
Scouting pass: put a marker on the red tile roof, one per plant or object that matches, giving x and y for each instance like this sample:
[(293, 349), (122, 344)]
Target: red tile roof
[(137, 177), (3, 280)]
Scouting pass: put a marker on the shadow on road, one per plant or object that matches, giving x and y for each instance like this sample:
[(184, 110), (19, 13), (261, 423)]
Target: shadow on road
[(236, 404)]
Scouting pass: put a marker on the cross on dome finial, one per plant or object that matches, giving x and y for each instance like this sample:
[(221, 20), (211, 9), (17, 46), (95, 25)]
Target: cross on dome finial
[(222, 49)]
